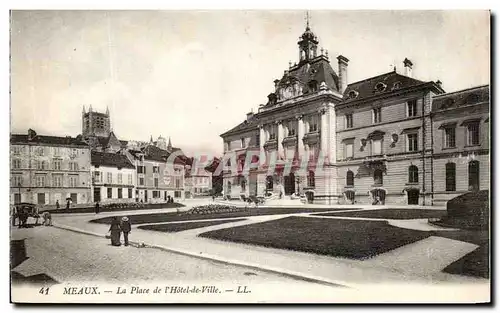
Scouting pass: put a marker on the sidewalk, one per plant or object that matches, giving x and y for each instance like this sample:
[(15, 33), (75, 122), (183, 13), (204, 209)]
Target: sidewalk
[(329, 270)]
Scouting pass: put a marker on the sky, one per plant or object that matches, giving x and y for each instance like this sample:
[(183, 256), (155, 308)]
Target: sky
[(192, 75)]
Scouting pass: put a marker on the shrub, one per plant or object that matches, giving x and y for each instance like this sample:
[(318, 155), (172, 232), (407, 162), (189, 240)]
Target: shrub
[(212, 209)]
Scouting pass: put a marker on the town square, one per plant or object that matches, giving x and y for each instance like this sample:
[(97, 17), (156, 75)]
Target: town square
[(170, 148)]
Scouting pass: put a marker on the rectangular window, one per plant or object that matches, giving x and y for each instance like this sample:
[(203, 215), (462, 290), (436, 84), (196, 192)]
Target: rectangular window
[(73, 180), (57, 164), (377, 147), (74, 152), (130, 193), (272, 132), (377, 115), (411, 108), (313, 152), (177, 183), (119, 178), (57, 180), (17, 180), (156, 169), (40, 180), (449, 137), (41, 151), (177, 194), (412, 142), (348, 121), (130, 179), (450, 177), (57, 151), (40, 165), (257, 139), (141, 169), (349, 149), (16, 163), (473, 134), (16, 150), (313, 123), (110, 193), (120, 193), (292, 131), (156, 182), (141, 181), (73, 166), (109, 178), (243, 145), (97, 176)]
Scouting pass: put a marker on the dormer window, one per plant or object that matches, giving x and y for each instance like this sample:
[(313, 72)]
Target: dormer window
[(397, 85), (313, 85), (472, 98), (352, 94), (379, 87)]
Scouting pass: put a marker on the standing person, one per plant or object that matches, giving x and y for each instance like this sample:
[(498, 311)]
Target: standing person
[(126, 228), (115, 231), (97, 207), (57, 205), (67, 203)]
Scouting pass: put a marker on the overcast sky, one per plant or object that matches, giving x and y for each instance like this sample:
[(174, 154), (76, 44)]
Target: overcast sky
[(193, 75)]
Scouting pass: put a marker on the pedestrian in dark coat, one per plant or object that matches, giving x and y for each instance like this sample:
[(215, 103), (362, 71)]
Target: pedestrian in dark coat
[(57, 204), (115, 231), (126, 228), (97, 207), (67, 204)]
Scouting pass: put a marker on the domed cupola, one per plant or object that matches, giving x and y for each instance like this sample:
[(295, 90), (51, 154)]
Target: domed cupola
[(308, 44)]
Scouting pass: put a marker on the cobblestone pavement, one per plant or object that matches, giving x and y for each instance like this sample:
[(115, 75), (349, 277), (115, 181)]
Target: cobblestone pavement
[(68, 257)]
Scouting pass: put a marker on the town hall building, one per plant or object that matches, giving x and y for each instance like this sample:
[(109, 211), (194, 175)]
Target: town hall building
[(374, 140)]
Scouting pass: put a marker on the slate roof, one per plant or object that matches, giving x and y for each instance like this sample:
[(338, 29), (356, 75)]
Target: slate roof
[(48, 140), (110, 160), (154, 153), (367, 88), (462, 97), (319, 69)]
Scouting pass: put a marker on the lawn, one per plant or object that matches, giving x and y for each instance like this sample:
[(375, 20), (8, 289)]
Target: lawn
[(174, 217), (339, 238), (394, 214), (473, 264), (177, 227)]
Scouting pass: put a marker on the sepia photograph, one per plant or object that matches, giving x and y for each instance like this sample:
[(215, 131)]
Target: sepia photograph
[(249, 156)]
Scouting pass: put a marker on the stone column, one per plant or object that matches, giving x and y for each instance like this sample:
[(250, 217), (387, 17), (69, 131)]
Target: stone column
[(300, 136), (280, 139), (262, 155), (324, 132)]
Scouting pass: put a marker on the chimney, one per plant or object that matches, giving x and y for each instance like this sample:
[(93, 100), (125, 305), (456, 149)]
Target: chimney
[(276, 81), (249, 115), (342, 73), (31, 134), (408, 66), (439, 83)]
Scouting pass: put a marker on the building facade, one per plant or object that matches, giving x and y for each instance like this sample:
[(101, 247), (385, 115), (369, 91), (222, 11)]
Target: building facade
[(49, 169), (157, 180), (113, 178), (372, 141), (460, 128)]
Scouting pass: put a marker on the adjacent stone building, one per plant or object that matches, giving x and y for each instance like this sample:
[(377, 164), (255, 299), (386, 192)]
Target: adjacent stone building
[(49, 169), (376, 140), (461, 143), (113, 178)]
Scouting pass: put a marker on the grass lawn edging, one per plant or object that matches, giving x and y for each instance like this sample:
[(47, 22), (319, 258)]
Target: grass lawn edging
[(118, 208)]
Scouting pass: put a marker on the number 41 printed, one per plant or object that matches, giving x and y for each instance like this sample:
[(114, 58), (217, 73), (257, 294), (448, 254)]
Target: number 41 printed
[(44, 290)]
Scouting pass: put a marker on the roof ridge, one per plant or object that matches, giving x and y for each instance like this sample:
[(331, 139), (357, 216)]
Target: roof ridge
[(373, 77), (462, 90)]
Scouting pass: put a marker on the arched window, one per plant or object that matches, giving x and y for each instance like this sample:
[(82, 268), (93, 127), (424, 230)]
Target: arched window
[(450, 177), (311, 181), (413, 174), (269, 182), (349, 179), (474, 175), (378, 177)]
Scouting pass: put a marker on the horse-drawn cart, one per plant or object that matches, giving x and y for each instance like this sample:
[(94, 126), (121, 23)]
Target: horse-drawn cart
[(22, 211)]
